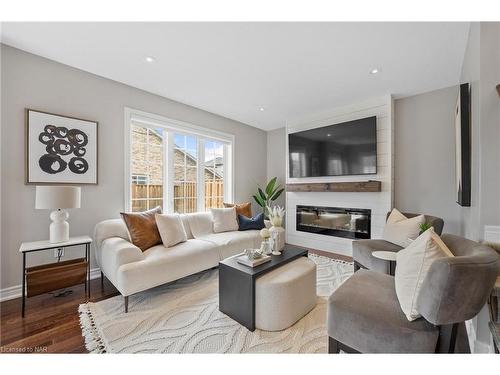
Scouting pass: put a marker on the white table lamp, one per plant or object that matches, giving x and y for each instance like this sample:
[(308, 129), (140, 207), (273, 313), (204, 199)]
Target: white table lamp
[(58, 198)]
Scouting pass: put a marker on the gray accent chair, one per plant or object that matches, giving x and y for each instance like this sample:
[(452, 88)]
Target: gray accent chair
[(362, 249), (364, 314)]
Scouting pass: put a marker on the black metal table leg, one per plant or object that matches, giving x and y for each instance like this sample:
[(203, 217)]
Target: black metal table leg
[(86, 269), (87, 252), (392, 267), (24, 285)]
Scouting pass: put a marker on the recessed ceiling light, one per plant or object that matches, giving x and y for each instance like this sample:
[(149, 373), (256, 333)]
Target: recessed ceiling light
[(374, 71), (150, 59), (261, 109), (328, 135)]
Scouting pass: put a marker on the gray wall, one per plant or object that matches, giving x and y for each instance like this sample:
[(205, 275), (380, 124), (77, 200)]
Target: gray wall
[(424, 137), (276, 163), (481, 68), (34, 82), (490, 123), (470, 216)]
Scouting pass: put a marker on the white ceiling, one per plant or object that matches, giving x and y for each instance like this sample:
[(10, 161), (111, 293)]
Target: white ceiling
[(292, 70)]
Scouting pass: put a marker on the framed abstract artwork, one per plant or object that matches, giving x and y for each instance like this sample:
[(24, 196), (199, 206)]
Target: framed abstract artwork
[(60, 149), (463, 146)]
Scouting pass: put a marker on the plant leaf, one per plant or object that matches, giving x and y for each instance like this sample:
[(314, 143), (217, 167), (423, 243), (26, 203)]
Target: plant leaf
[(258, 200), (262, 195), (277, 194), (270, 186)]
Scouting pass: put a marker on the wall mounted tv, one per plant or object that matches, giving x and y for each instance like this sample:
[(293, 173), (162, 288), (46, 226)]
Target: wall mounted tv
[(348, 148)]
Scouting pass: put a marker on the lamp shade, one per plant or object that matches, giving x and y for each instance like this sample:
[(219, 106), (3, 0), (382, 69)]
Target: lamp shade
[(54, 197)]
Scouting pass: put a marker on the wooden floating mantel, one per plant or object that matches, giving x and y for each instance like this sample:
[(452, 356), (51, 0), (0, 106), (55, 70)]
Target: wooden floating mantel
[(357, 186)]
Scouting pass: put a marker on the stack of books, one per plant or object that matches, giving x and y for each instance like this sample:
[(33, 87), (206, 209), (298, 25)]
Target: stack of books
[(243, 259)]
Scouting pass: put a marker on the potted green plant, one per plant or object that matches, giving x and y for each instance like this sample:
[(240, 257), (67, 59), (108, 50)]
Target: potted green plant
[(269, 194)]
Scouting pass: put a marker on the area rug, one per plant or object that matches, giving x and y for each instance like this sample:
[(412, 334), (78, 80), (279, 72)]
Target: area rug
[(184, 317)]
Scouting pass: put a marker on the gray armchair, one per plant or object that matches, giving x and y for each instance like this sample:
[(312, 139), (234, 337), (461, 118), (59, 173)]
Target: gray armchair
[(364, 314), (362, 249)]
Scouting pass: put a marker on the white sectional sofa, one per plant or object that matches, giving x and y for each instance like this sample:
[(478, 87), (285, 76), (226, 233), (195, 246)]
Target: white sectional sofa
[(132, 271)]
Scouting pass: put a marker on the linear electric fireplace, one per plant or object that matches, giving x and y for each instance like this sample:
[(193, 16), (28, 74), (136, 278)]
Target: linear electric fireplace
[(352, 223)]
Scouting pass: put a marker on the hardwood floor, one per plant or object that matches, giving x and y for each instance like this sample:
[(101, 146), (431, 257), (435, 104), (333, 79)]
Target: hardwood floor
[(52, 324)]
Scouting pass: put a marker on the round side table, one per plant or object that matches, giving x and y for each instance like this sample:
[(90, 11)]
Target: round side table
[(388, 256)]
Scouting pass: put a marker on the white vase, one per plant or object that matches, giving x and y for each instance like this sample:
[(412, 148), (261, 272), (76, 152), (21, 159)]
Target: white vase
[(279, 234)]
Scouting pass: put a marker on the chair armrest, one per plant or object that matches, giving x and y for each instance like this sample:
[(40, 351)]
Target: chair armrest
[(115, 253)]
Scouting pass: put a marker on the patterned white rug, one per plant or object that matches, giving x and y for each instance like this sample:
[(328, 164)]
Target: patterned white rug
[(184, 317)]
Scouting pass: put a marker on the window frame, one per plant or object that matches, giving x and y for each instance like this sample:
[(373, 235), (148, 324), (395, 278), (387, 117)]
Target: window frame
[(171, 126)]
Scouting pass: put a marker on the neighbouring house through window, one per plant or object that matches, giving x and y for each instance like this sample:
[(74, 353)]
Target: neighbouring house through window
[(139, 180), (180, 167)]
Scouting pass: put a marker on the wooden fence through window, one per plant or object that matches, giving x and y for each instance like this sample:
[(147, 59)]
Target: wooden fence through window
[(185, 196)]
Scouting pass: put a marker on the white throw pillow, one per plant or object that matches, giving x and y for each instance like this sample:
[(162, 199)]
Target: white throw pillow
[(225, 219), (412, 266), (171, 229), (400, 230), (200, 223)]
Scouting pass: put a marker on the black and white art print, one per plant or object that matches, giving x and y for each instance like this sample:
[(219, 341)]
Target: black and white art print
[(60, 149)]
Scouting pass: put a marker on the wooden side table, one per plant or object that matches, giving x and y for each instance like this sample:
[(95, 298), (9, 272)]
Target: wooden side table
[(388, 256), (53, 276)]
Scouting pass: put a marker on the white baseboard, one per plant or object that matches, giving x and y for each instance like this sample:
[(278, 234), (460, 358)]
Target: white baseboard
[(15, 291)]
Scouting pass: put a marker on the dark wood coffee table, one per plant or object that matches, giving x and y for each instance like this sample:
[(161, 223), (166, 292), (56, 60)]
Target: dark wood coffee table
[(237, 284)]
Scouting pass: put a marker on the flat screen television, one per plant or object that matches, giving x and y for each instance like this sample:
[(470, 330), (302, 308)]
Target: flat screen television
[(348, 148)]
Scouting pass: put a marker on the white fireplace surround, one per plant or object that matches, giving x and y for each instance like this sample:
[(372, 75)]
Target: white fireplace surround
[(379, 203)]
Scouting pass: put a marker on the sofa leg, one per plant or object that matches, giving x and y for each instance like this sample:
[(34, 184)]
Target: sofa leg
[(102, 281), (333, 346), (126, 304)]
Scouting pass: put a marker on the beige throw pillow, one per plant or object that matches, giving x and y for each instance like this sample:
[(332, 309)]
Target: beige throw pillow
[(400, 230), (171, 229), (225, 219), (412, 266)]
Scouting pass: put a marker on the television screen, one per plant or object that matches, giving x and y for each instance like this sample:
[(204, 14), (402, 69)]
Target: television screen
[(349, 148)]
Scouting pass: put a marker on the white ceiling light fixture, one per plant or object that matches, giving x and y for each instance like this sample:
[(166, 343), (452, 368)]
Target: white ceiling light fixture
[(150, 59), (261, 109), (374, 71)]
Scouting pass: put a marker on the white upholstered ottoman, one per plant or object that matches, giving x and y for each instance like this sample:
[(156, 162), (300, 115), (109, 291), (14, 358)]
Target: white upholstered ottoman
[(285, 295)]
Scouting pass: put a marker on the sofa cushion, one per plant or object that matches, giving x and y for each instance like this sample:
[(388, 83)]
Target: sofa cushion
[(400, 230), (256, 222), (364, 313), (185, 223), (171, 229), (362, 253), (200, 223), (142, 228), (244, 209), (412, 266), (225, 219), (232, 243), (163, 265)]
